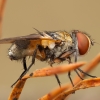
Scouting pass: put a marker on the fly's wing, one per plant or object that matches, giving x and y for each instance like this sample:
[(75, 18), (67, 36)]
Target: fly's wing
[(27, 37), (35, 36)]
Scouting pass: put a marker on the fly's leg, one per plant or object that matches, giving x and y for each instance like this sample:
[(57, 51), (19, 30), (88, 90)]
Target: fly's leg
[(69, 75), (81, 70), (33, 61), (25, 67), (57, 78), (76, 54), (85, 73), (78, 74), (64, 56), (67, 55), (76, 69)]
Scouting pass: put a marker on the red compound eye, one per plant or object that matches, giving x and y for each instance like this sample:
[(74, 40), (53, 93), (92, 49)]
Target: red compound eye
[(83, 43)]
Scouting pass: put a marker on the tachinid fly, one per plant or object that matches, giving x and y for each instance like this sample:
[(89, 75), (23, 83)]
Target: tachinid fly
[(50, 46)]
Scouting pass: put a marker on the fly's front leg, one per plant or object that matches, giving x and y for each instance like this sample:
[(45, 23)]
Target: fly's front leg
[(76, 53), (81, 70), (86, 73)]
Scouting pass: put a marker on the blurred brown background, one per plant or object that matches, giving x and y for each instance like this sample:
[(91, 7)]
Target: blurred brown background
[(19, 18)]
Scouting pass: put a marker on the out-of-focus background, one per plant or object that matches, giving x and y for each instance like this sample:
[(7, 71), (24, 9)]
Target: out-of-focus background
[(21, 16)]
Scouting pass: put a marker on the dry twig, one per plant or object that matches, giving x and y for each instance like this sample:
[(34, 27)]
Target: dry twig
[(42, 72), (2, 5), (87, 83), (60, 91), (92, 64), (17, 90)]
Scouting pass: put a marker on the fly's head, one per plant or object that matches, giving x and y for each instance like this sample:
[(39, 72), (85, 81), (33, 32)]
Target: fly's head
[(18, 50), (83, 41)]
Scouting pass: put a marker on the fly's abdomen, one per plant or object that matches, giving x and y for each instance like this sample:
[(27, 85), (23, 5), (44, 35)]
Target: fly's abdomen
[(18, 49)]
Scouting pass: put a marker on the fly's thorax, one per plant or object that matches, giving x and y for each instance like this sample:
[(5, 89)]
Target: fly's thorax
[(64, 44), (65, 36), (67, 41), (59, 37), (18, 50), (61, 48)]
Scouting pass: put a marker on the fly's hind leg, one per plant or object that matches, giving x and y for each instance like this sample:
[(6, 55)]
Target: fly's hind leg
[(33, 61), (25, 66)]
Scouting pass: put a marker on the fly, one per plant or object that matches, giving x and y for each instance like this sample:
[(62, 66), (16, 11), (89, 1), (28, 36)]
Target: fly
[(50, 46)]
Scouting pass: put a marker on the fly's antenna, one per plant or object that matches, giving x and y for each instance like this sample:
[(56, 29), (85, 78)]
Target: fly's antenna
[(94, 42), (38, 31)]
